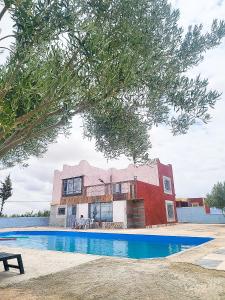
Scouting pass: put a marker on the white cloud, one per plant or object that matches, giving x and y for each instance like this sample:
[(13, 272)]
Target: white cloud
[(198, 158)]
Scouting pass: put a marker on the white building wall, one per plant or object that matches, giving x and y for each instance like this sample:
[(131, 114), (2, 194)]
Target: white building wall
[(120, 212), (82, 209), (55, 219)]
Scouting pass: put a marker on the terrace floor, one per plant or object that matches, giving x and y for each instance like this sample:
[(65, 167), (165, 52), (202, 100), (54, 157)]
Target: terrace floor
[(198, 273)]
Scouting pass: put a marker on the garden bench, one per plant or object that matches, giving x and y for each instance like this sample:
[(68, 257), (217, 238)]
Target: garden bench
[(4, 257)]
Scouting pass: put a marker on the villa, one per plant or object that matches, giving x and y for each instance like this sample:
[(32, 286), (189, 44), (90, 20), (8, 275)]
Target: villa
[(135, 197)]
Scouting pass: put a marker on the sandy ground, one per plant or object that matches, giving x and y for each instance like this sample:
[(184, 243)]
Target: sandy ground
[(61, 275), (120, 279)]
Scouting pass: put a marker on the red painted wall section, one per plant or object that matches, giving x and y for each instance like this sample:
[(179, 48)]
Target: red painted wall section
[(181, 204), (167, 170), (155, 210), (154, 197), (199, 201), (207, 209)]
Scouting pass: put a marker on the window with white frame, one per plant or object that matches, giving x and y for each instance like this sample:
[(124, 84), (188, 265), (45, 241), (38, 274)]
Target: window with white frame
[(170, 213), (167, 186)]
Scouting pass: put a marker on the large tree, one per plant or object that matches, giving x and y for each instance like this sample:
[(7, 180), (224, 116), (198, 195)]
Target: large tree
[(121, 65), (216, 198), (5, 192)]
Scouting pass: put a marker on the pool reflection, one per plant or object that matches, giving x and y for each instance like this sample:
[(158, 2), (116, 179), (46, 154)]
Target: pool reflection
[(108, 247), (129, 246)]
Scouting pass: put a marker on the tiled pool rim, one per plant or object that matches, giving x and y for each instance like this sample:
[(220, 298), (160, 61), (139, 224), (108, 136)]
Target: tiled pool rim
[(189, 241)]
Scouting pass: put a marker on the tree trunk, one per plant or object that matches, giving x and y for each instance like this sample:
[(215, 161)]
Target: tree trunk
[(2, 204)]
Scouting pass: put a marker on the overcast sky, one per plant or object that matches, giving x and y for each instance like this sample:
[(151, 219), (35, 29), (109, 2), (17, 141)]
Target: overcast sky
[(198, 158)]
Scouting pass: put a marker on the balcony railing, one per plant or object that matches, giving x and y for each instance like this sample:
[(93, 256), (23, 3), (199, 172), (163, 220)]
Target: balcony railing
[(85, 199), (121, 196), (100, 193)]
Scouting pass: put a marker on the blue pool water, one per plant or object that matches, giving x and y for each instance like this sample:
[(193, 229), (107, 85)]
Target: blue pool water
[(109, 244)]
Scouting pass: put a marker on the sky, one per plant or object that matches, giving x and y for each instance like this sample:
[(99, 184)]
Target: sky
[(198, 158)]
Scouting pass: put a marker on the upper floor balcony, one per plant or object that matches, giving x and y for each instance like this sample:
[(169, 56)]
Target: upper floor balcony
[(74, 192)]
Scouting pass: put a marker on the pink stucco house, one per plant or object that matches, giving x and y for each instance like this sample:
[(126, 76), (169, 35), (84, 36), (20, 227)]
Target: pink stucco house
[(137, 196)]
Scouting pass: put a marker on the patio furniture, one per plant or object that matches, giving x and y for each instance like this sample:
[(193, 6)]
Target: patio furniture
[(96, 225), (82, 223), (4, 257)]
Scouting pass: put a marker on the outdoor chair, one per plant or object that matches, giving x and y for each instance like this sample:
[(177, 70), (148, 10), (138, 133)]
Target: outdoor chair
[(4, 257), (81, 223)]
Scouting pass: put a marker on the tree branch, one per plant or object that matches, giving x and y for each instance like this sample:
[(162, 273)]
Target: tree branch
[(7, 36), (6, 49), (4, 10), (28, 135)]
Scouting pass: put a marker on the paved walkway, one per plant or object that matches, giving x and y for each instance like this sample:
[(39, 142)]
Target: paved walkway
[(214, 260), (210, 255)]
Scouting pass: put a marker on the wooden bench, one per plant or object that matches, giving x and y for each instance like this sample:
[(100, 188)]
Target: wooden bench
[(4, 257)]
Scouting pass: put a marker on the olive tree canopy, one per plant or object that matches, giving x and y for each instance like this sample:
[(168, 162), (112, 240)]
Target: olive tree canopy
[(121, 65), (216, 198)]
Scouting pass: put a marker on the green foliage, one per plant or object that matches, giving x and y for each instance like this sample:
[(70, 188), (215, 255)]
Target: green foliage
[(5, 191), (108, 125), (45, 213), (121, 65), (3, 216), (217, 196)]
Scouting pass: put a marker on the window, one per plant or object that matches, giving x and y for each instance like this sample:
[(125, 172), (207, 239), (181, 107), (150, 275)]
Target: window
[(167, 185), (74, 210), (101, 211), (117, 188), (72, 186), (170, 211), (106, 212), (61, 211)]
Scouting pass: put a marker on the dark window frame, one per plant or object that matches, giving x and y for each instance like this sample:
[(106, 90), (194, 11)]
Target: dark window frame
[(166, 180), (65, 194), (100, 218), (61, 209), (120, 188), (74, 210)]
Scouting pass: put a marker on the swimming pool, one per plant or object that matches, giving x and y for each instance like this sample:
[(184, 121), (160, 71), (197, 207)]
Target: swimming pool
[(108, 244)]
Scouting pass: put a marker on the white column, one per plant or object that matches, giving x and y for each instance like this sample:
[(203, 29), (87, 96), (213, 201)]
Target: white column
[(120, 212), (82, 209)]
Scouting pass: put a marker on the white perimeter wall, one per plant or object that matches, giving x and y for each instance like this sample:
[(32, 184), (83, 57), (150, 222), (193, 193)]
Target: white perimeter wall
[(23, 222), (120, 212), (198, 215)]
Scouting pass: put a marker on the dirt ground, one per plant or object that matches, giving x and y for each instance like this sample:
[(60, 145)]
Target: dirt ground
[(112, 278), (67, 276)]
